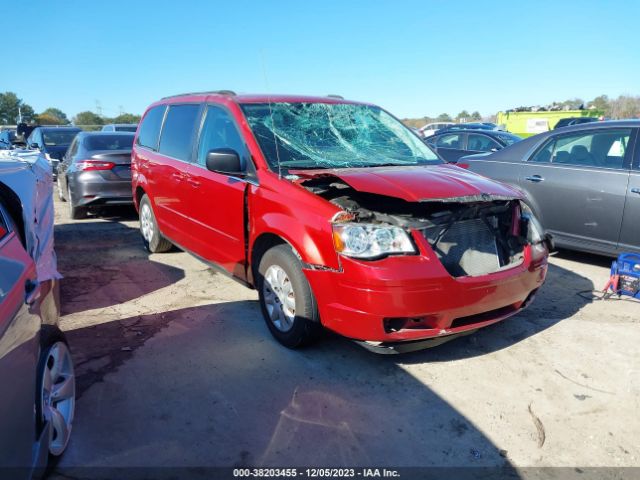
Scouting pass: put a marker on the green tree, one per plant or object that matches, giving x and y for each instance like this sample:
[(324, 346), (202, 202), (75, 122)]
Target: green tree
[(573, 103), (444, 117), (127, 118), (52, 116), (463, 116), (602, 103), (475, 116), (10, 108), (88, 118)]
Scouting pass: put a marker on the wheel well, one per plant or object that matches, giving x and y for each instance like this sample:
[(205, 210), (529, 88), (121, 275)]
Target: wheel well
[(139, 193), (263, 243), (14, 206)]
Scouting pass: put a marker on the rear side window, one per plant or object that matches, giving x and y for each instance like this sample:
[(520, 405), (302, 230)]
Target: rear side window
[(177, 133), (481, 143), (453, 140), (150, 127)]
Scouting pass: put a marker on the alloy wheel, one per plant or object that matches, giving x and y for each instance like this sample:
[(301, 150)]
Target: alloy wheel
[(279, 298), (58, 396), (146, 222)]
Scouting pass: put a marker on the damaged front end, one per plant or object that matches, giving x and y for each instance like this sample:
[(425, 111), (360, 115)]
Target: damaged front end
[(472, 236)]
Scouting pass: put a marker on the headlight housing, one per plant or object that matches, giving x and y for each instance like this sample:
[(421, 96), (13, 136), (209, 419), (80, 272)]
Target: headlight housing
[(361, 240), (535, 232)]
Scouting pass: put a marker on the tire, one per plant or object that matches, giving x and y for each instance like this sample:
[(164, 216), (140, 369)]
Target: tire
[(75, 212), (286, 300), (153, 240), (56, 390), (60, 193)]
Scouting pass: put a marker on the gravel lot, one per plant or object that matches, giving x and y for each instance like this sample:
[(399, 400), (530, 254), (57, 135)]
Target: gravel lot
[(176, 368)]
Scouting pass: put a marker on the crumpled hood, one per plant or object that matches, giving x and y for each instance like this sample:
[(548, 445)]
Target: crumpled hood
[(419, 184)]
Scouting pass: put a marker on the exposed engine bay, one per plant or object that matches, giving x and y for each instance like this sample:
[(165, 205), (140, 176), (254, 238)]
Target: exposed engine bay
[(470, 236)]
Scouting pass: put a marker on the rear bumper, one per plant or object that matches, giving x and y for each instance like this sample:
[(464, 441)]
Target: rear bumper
[(409, 298), (102, 193)]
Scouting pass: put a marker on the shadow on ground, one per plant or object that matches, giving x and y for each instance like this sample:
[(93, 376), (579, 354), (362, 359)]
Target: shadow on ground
[(211, 388), (104, 264)]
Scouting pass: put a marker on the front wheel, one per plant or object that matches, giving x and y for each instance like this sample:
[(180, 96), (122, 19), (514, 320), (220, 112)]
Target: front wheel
[(287, 302), (153, 240)]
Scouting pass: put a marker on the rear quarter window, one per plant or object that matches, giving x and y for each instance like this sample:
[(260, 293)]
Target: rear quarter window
[(150, 127)]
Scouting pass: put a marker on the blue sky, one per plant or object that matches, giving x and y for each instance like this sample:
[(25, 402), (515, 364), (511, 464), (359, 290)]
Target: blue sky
[(414, 58)]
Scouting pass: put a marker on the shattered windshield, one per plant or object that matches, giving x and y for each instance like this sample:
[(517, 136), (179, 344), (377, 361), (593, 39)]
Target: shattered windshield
[(339, 135)]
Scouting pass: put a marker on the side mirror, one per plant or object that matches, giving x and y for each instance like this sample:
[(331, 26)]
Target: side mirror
[(225, 161), (35, 146)]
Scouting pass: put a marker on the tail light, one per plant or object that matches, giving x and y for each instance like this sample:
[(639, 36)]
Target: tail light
[(92, 165), (462, 165)]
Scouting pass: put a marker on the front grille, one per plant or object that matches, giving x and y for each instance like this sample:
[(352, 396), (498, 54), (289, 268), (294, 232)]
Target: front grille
[(467, 248)]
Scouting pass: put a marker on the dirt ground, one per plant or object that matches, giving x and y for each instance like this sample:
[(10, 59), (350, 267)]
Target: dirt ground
[(176, 368)]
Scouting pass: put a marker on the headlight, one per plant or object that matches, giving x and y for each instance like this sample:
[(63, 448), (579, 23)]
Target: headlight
[(361, 240)]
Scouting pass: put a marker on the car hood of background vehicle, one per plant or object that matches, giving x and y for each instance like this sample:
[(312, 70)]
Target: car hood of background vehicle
[(419, 184)]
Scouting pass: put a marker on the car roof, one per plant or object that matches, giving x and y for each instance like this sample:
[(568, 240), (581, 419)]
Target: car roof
[(600, 124), (99, 133), (59, 128), (471, 130), (227, 96), (120, 125)]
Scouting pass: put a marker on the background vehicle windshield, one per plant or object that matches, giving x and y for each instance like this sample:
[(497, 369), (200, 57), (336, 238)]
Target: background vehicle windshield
[(52, 138), (109, 142), (126, 128), (324, 135)]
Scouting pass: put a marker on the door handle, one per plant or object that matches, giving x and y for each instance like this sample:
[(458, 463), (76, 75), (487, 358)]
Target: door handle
[(534, 178), (635, 190), (31, 292)]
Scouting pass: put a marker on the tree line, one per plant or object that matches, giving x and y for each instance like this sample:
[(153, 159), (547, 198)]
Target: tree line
[(624, 106), (12, 107)]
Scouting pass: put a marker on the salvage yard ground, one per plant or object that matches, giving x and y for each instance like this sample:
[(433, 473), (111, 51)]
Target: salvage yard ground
[(176, 368)]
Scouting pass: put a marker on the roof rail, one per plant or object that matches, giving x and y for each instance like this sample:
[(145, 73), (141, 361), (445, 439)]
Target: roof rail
[(229, 93), (336, 96)]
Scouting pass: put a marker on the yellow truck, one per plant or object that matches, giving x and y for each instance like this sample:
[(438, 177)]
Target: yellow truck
[(526, 124)]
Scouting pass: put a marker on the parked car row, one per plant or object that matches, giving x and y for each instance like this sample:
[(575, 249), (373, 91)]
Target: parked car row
[(453, 144)]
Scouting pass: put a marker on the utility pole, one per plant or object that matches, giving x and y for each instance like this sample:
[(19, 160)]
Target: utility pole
[(98, 108)]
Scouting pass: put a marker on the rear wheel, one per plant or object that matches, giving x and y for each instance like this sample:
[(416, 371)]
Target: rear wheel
[(287, 302), (75, 212), (153, 240), (56, 400)]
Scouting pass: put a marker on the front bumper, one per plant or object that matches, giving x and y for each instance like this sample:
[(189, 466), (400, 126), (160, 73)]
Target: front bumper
[(409, 298)]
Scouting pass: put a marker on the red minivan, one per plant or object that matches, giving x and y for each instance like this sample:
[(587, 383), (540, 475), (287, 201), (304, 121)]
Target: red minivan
[(339, 215)]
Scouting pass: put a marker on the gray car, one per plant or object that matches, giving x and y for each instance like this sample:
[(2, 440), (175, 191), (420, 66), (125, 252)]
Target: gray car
[(120, 127), (36, 369), (96, 172), (583, 183)]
